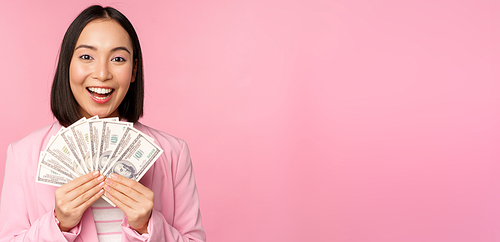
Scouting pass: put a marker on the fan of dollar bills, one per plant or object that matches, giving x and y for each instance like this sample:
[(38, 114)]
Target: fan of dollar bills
[(107, 145)]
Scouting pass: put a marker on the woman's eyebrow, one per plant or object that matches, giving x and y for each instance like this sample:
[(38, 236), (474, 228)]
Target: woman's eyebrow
[(120, 48), (86, 46), (94, 48)]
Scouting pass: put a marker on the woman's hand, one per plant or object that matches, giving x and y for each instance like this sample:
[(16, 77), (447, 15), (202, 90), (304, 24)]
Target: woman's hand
[(134, 199), (74, 197)]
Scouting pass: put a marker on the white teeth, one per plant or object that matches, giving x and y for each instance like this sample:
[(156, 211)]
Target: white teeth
[(100, 90), (101, 98)]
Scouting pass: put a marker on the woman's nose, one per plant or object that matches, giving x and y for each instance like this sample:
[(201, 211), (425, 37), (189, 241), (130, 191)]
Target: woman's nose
[(102, 72)]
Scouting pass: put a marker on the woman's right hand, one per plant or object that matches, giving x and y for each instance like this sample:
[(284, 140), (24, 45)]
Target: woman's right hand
[(74, 197)]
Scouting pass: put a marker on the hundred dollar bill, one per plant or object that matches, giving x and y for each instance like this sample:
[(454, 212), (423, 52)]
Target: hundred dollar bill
[(71, 143), (128, 138), (110, 136), (48, 176), (81, 135), (95, 131), (129, 135), (136, 159), (52, 163), (60, 150)]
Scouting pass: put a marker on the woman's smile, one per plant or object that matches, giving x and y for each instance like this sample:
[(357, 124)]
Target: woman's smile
[(100, 94)]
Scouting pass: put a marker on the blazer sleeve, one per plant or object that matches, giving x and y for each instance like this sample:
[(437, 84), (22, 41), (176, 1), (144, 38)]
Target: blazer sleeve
[(15, 224), (187, 226)]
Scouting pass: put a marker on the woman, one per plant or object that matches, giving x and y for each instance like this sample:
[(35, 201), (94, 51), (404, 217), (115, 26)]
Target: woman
[(100, 73)]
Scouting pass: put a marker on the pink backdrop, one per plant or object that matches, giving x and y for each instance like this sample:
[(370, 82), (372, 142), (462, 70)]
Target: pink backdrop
[(307, 120)]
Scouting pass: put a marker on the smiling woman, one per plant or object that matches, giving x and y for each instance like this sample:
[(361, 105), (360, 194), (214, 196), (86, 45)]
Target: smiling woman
[(99, 73), (101, 52), (102, 68)]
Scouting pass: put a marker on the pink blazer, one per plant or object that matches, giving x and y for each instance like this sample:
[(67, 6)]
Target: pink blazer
[(27, 207)]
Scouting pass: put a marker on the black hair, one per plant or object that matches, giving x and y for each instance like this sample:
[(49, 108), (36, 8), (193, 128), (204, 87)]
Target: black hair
[(62, 102)]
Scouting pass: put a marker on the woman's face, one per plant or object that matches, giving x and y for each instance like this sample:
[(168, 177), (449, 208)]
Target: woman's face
[(101, 68)]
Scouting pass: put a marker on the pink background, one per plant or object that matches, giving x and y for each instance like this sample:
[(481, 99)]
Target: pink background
[(307, 120)]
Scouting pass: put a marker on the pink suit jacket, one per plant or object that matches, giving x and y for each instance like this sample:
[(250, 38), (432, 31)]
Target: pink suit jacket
[(27, 207)]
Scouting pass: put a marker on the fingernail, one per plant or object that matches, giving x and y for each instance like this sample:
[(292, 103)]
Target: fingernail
[(96, 173), (101, 184), (100, 178), (114, 176), (109, 181), (106, 187), (101, 191)]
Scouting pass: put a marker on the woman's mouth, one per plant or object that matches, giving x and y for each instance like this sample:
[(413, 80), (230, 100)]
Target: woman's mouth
[(100, 93)]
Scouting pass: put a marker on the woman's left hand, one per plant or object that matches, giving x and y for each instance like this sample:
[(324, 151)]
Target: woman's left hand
[(134, 199)]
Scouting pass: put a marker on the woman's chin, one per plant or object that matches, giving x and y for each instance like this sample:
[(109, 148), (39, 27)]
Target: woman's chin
[(100, 114)]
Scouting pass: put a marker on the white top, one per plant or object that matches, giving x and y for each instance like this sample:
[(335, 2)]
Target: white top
[(107, 220)]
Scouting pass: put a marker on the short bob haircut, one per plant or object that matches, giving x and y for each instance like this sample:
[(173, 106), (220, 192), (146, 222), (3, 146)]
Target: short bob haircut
[(62, 102)]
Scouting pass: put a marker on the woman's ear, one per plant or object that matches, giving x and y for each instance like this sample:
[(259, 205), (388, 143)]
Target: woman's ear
[(134, 71)]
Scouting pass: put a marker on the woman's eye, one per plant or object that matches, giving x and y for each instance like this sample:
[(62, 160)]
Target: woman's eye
[(86, 57), (118, 59)]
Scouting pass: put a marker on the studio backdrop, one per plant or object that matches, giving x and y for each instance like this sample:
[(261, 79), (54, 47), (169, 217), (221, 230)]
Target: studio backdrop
[(313, 120)]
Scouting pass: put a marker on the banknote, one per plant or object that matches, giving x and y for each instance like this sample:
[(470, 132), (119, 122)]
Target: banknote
[(95, 128), (71, 142), (60, 150), (135, 159), (50, 177), (129, 135), (111, 134), (81, 136), (49, 161)]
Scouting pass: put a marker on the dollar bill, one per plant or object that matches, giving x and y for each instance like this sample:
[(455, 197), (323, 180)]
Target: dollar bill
[(48, 176), (60, 150), (136, 159), (71, 142), (49, 161), (111, 134), (95, 131), (129, 135), (81, 136)]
